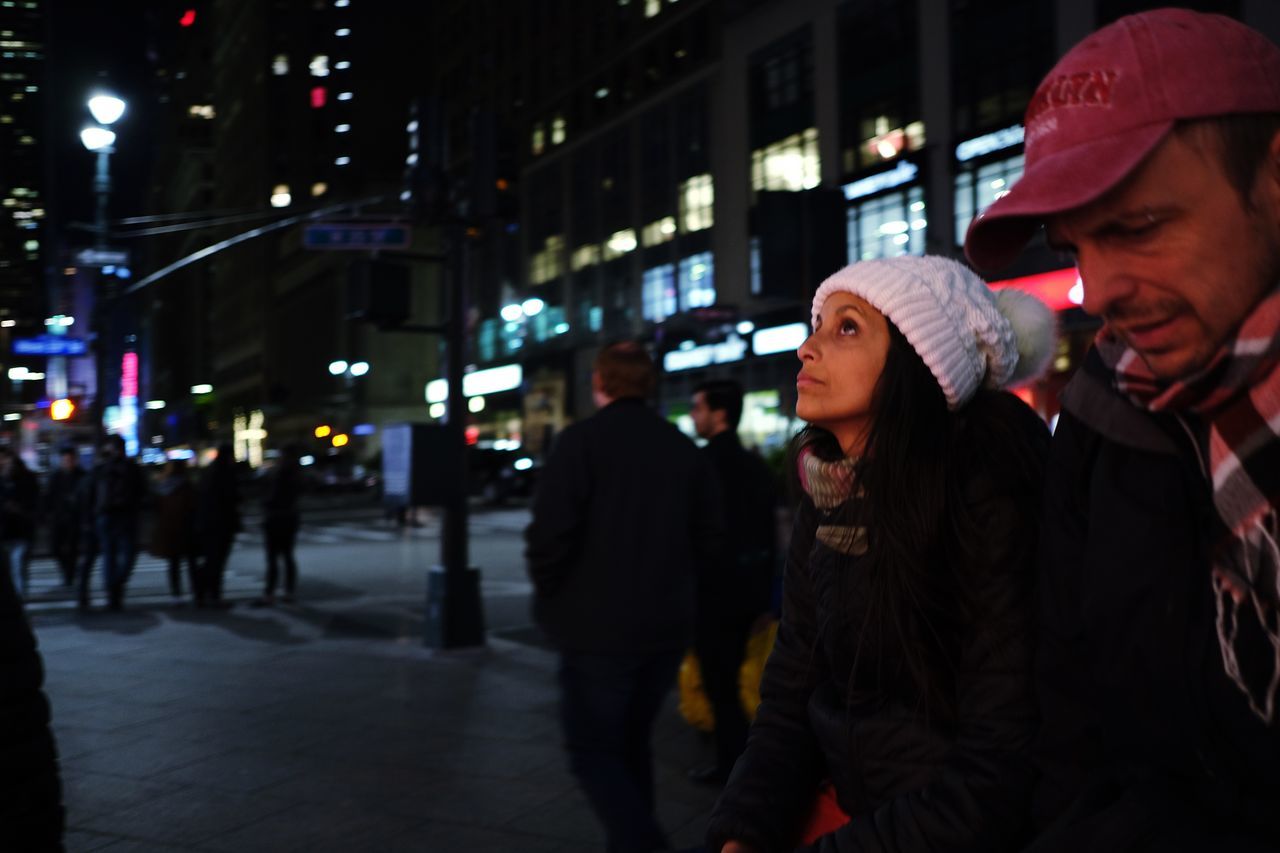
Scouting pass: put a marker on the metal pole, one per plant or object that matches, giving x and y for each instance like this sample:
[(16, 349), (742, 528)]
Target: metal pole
[(103, 298)]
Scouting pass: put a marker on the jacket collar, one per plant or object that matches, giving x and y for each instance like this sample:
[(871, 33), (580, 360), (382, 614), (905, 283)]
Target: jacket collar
[(1091, 397)]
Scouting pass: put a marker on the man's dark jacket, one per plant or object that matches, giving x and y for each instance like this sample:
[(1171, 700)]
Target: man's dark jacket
[(620, 530), (739, 582), (1146, 743)]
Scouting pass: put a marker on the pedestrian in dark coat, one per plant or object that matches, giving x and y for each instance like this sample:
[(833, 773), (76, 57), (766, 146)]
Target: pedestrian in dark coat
[(62, 512), (218, 507), (19, 502), (31, 812), (280, 521), (117, 490), (1158, 655), (173, 528), (619, 534), (901, 673), (736, 590)]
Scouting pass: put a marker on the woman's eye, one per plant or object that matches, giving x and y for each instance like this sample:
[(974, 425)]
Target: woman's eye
[(848, 327)]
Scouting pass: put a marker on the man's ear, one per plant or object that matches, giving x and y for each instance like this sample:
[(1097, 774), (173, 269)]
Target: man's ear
[(1266, 188)]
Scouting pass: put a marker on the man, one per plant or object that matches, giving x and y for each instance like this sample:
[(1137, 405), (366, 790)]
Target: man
[(1153, 156), (117, 489), (618, 535), (737, 589), (19, 500), (63, 512)]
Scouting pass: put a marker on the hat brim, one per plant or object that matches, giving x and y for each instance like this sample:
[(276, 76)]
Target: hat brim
[(1058, 182)]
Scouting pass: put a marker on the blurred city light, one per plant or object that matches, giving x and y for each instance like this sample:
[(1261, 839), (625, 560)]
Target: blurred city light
[(323, 431), (360, 368), (202, 389), (106, 109), (341, 440), (475, 405), (60, 410), (511, 313), (155, 405), (337, 368), (532, 307), (97, 138)]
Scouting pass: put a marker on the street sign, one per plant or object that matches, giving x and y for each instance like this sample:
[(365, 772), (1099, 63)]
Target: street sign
[(102, 257), (50, 345), (362, 236)]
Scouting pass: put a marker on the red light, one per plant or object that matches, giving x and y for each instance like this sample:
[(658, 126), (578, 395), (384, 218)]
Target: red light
[(1053, 288), (129, 375), (188, 18), (318, 97), (473, 434)]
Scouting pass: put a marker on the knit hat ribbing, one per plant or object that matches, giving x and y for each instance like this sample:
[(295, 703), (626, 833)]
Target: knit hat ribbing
[(966, 334)]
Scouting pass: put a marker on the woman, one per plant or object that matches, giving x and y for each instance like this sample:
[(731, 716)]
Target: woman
[(280, 522), (899, 686), (173, 531)]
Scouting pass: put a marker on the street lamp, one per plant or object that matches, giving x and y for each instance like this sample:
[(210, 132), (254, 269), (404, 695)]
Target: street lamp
[(106, 110)]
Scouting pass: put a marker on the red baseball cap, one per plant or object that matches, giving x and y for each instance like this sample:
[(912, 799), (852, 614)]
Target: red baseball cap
[(1110, 101)]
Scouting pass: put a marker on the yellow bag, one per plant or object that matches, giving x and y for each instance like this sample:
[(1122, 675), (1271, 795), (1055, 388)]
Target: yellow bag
[(694, 705)]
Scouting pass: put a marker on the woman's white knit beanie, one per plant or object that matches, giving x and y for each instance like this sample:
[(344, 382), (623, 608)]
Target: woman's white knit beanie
[(965, 333)]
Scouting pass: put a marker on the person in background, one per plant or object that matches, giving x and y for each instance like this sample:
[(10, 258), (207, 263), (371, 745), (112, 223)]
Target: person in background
[(218, 522), (173, 528), (735, 591), (62, 511), (901, 673), (19, 501), (118, 490), (1153, 159), (620, 532), (280, 521)]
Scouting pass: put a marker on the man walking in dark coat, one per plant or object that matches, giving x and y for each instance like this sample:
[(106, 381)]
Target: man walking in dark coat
[(619, 535), (62, 506), (218, 522), (736, 589), (1153, 156), (118, 489)]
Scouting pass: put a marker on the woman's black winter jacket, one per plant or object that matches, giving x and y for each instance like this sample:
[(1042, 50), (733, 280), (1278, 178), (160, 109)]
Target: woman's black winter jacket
[(911, 782)]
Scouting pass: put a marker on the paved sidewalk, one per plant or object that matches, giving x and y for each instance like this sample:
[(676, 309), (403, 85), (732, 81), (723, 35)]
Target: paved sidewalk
[(297, 729)]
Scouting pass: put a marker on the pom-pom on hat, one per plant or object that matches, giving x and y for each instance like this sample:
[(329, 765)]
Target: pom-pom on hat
[(966, 334)]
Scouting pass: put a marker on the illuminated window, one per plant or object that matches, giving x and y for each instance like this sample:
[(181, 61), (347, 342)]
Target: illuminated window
[(557, 130), (887, 225), (345, 96), (341, 4), (977, 188), (547, 264), (204, 111), (26, 140), (652, 8), (585, 256), (342, 32), (319, 95), (280, 196), (697, 281), (319, 66), (280, 65), (659, 231), (342, 161), (697, 197), (620, 243), (342, 128), (342, 65), (790, 164), (658, 293), (881, 141), (319, 188), (539, 142)]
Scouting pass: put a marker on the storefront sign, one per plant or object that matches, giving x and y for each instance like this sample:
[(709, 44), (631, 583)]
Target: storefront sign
[(1060, 289), (732, 349), (775, 339), (491, 381), (989, 143), (904, 173)]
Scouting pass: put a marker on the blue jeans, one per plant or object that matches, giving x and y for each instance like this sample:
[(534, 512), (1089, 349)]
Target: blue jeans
[(17, 553), (117, 536), (608, 703)]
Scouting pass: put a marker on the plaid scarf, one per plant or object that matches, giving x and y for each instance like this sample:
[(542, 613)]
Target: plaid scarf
[(830, 484), (1238, 396)]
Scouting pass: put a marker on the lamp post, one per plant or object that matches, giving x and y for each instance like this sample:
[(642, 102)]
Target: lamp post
[(98, 138)]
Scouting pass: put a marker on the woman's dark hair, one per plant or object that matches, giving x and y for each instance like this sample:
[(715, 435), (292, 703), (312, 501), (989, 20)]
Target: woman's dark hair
[(921, 531)]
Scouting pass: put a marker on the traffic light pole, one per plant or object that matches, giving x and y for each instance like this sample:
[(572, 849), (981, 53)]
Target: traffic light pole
[(454, 613)]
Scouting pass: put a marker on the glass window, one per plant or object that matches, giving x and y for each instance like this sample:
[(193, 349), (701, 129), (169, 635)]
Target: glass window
[(697, 198), (879, 83), (658, 293), (280, 65), (539, 141), (977, 188), (585, 256), (547, 264), (620, 243), (319, 66), (790, 164), (887, 226), (557, 130), (999, 50), (658, 232), (697, 281)]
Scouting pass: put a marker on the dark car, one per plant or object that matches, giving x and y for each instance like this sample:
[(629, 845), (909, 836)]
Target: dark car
[(498, 476)]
